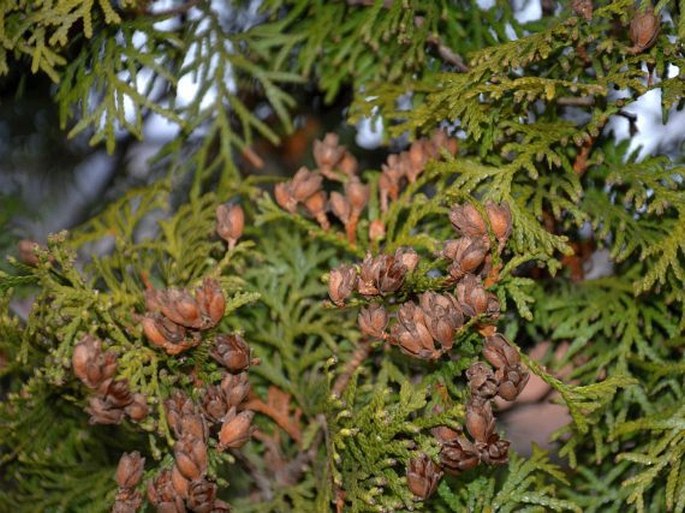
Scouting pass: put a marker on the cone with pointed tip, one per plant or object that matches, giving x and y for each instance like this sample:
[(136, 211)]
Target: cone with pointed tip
[(211, 302), (304, 184), (458, 455), (202, 496), (423, 476), (644, 29), (373, 320), (327, 152), (480, 422), (190, 454), (230, 222), (130, 469), (482, 381), (341, 282), (236, 429), (162, 494), (232, 352), (90, 364)]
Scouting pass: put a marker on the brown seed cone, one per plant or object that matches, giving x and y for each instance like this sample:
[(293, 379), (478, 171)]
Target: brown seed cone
[(482, 381), (480, 422), (357, 195), (423, 476), (408, 257), (389, 274), (366, 284), (443, 317), (493, 307), (468, 221), (467, 255), (419, 153), (444, 434), (230, 222), (236, 429), (194, 426), (102, 371), (191, 457), (582, 8), (214, 404), (341, 282), (90, 364), (116, 393), (211, 302), (138, 408), (441, 139), (391, 177), (232, 352), (373, 320), (328, 152), (499, 352), (180, 307), (284, 197), (127, 501), (512, 380), (644, 29), (27, 252), (163, 332), (235, 388), (500, 221), (472, 297), (178, 407), (340, 206), (201, 496), (162, 495), (495, 451), (348, 164), (458, 455), (304, 184), (412, 317), (101, 412), (179, 482), (316, 206), (412, 334), (130, 469), (385, 186)]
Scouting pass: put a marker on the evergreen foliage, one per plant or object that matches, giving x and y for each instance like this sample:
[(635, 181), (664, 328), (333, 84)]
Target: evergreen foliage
[(522, 221)]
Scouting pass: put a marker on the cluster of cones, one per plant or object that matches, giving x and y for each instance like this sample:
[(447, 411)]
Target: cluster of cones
[(458, 453), (337, 164), (380, 275), (185, 487), (176, 317), (129, 474), (111, 400), (426, 329)]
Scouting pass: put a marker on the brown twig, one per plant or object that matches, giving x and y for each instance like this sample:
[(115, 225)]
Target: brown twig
[(572, 101), (283, 421), (360, 354), (447, 54)]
